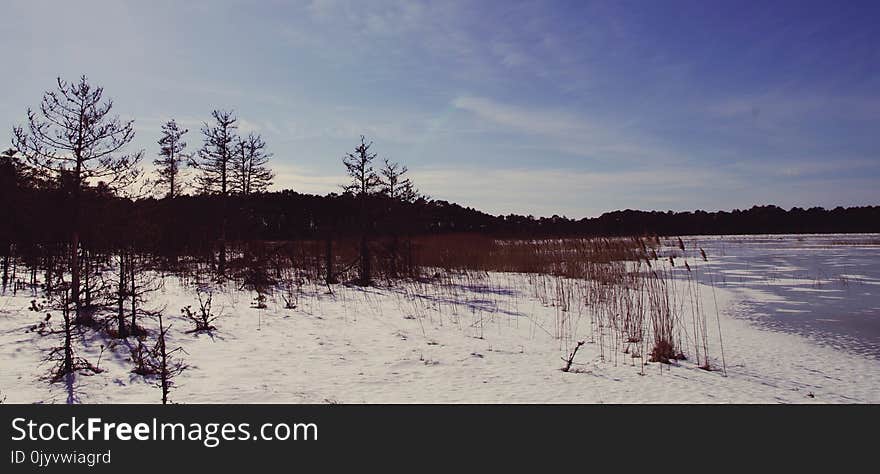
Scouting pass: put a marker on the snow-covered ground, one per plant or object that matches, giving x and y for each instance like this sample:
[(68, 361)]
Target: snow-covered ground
[(490, 340)]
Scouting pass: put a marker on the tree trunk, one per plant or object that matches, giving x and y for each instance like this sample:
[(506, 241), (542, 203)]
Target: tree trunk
[(88, 288), (173, 167), (222, 265), (68, 347), (121, 297), (365, 276), (224, 209), (74, 267), (14, 269), (133, 283), (163, 371), (74, 264), (50, 263)]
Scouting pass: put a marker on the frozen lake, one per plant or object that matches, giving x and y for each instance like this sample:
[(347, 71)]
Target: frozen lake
[(825, 287)]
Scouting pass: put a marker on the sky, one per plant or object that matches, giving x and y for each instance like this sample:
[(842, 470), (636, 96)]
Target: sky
[(531, 107)]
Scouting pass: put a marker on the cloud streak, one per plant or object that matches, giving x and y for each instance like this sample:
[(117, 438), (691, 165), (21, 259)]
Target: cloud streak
[(568, 132)]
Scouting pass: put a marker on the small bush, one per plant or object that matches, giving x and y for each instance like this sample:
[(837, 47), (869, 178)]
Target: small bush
[(663, 352), (204, 317)]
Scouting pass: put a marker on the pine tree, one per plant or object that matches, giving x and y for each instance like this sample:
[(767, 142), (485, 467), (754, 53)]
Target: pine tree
[(399, 189), (249, 171), (364, 184), (394, 183), (74, 138), (364, 180), (215, 156), (214, 161), (171, 157)]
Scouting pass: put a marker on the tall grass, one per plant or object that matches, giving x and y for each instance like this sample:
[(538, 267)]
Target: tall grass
[(638, 299)]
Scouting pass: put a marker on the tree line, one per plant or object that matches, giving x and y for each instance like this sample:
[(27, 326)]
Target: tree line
[(67, 181)]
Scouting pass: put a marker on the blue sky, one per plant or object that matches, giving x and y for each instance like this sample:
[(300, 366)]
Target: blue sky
[(533, 107)]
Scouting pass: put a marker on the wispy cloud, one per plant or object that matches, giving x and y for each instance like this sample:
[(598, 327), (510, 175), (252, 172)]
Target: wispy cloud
[(568, 132), (529, 120), (805, 167)]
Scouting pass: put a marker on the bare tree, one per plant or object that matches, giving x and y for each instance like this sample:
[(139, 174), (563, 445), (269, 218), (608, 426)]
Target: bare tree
[(133, 283), (171, 157), (249, 171), (66, 363), (168, 367), (73, 136), (125, 257), (158, 361), (364, 183), (141, 283)]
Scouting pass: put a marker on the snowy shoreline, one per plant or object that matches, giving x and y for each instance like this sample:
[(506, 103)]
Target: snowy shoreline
[(489, 343)]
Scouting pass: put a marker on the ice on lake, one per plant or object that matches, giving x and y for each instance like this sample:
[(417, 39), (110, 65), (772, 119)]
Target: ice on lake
[(823, 286)]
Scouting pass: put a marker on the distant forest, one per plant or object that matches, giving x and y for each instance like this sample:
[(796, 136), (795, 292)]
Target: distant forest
[(41, 214)]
